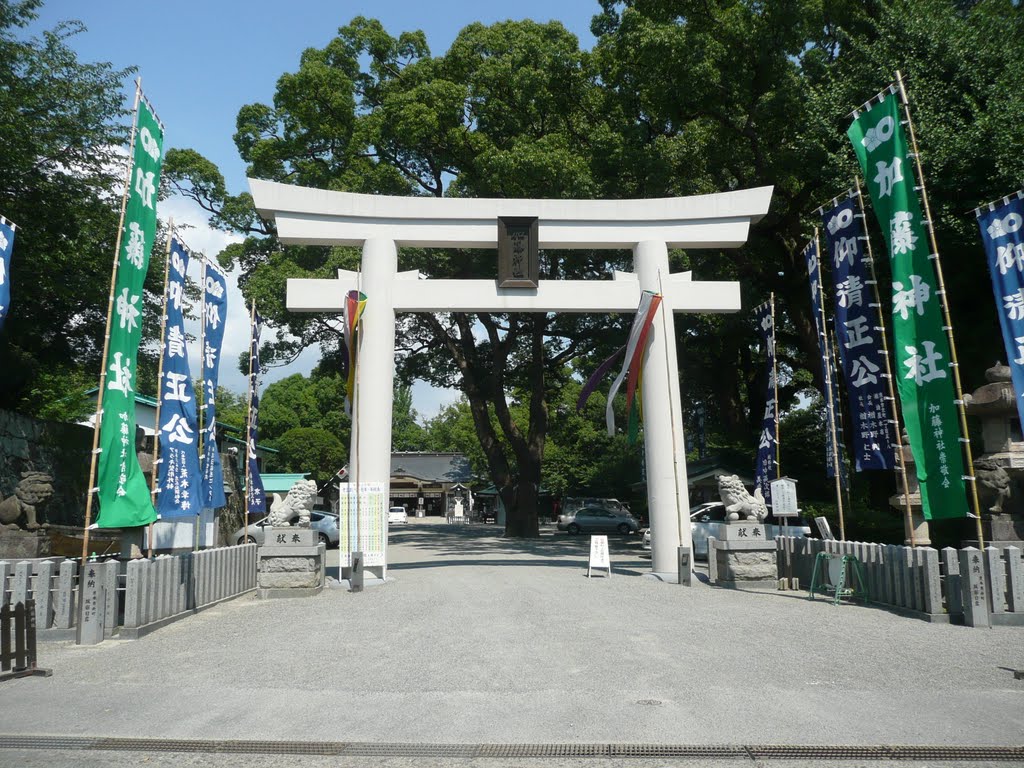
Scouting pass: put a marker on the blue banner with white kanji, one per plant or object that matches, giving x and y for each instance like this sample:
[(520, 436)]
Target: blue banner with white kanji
[(1001, 232), (257, 501), (832, 442), (767, 449), (6, 249), (179, 477), (215, 315), (859, 338)]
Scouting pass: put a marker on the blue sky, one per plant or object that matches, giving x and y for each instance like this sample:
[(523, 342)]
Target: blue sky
[(202, 60)]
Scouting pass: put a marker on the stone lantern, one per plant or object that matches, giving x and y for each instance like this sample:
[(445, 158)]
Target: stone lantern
[(1000, 468)]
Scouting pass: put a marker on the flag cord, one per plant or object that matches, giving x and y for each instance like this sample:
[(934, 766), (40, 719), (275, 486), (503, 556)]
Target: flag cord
[(830, 409), (888, 379), (943, 302), (160, 377), (106, 333)]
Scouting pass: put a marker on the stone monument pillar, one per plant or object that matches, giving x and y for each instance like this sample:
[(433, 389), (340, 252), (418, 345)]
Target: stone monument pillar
[(1000, 468), (921, 535)]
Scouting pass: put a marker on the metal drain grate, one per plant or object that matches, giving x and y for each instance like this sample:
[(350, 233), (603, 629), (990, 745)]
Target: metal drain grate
[(369, 749), (816, 753)]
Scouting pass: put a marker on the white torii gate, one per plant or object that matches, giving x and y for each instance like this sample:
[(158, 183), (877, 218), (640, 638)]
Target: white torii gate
[(382, 224)]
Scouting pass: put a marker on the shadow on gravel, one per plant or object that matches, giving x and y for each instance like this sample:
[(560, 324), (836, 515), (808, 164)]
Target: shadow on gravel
[(470, 544)]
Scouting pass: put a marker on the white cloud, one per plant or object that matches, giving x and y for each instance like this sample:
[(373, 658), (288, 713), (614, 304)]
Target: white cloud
[(190, 222)]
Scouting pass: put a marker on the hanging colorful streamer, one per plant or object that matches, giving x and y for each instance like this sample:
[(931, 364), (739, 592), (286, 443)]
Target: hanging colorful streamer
[(631, 366), (355, 304)]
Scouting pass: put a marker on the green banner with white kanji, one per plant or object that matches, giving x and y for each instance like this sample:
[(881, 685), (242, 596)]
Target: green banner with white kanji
[(920, 345), (123, 492)]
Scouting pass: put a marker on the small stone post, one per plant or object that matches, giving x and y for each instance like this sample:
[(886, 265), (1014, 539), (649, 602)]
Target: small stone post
[(973, 588)]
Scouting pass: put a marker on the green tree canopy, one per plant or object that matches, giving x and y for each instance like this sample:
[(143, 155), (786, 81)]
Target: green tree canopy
[(62, 124), (307, 449), (678, 97)]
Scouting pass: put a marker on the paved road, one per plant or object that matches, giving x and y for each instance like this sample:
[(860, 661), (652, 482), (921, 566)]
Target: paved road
[(476, 639)]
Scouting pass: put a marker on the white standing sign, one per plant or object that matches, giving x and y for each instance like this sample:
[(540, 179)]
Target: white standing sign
[(599, 555), (784, 498)]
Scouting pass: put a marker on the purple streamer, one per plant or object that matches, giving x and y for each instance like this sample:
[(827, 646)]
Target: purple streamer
[(595, 378)]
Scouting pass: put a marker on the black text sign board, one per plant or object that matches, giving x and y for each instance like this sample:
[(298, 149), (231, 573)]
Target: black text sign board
[(784, 498), (599, 555)]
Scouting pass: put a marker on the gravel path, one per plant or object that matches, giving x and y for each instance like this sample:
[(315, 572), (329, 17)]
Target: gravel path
[(478, 639)]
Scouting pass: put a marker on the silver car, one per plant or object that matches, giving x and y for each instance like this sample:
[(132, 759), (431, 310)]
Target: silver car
[(325, 525), (598, 519)]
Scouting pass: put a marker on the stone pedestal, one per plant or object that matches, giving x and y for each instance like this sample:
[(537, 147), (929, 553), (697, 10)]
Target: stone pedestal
[(1004, 528), (291, 563), (1000, 469), (915, 529), (742, 558), (23, 545)]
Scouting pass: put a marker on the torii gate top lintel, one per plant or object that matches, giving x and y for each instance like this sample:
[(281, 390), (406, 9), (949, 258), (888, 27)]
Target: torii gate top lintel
[(307, 216)]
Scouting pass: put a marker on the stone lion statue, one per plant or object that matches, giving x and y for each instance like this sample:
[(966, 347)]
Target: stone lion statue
[(34, 489), (993, 484), (738, 503), (297, 504)]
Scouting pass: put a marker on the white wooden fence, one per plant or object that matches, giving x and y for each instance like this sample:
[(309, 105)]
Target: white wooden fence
[(969, 586), (141, 595)]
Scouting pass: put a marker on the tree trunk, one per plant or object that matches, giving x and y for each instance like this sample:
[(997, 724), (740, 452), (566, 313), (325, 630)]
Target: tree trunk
[(522, 519)]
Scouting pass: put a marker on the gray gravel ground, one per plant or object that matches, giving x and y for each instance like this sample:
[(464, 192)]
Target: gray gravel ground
[(478, 639)]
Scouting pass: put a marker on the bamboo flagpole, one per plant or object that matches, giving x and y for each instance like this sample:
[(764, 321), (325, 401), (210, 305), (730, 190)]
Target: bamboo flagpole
[(891, 397), (160, 380), (830, 403), (201, 400), (106, 334), (248, 423), (944, 303)]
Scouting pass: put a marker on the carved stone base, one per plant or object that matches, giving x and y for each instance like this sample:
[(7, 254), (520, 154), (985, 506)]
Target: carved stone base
[(917, 526), (922, 536), (291, 563), (742, 563), (23, 545), (1003, 528)]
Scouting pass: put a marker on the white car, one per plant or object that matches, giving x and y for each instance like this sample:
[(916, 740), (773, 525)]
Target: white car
[(397, 515), (705, 520)]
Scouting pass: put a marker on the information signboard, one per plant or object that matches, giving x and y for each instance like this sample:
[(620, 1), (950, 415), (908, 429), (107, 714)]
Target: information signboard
[(784, 498), (362, 522)]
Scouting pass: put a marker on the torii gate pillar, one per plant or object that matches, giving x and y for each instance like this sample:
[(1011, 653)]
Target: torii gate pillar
[(648, 227), (664, 441), (370, 456)]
